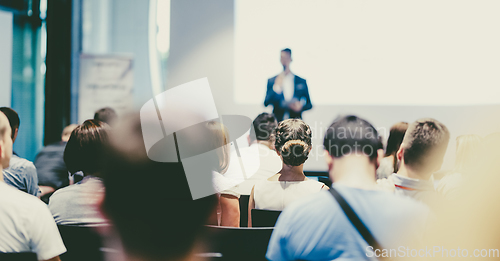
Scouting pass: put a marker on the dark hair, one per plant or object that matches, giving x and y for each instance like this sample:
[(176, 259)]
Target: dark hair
[(106, 114), (293, 141), (396, 135), (13, 117), (158, 219), (425, 144), (351, 134), (264, 127), (84, 150), (287, 50)]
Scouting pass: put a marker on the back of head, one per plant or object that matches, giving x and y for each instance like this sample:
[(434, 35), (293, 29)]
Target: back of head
[(13, 117), (467, 153), (488, 156), (66, 133), (352, 135), (287, 50), (425, 144), (264, 127), (293, 141), (106, 114), (396, 135), (150, 202), (84, 150)]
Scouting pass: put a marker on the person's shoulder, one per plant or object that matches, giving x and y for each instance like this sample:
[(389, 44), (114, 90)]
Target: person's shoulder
[(405, 204), (19, 200), (309, 206), (298, 78), (17, 162), (261, 183), (63, 191)]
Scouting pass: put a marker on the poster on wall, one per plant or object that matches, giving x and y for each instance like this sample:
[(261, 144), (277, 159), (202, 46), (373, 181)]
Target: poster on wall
[(5, 58), (105, 81)]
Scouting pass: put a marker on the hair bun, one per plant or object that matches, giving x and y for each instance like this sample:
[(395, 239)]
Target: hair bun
[(293, 141), (295, 152)]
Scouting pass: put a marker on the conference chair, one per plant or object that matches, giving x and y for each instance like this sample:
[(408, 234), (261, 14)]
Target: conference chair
[(264, 218), (82, 243), (24, 256), (236, 243), (244, 210)]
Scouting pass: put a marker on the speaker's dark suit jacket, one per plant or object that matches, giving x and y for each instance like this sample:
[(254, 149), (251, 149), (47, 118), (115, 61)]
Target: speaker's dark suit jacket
[(301, 93)]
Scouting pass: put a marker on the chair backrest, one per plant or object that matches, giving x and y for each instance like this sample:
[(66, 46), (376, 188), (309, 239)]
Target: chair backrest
[(244, 210), (264, 218), (238, 243), (82, 243), (24, 256)]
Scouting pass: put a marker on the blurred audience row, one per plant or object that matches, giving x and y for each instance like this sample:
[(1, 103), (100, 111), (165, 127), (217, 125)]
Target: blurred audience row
[(99, 175)]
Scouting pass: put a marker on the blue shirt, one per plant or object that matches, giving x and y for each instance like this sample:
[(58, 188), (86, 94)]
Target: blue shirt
[(316, 228), (21, 174)]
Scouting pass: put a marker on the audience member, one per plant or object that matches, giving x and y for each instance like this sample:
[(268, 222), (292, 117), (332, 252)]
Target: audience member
[(466, 159), (50, 166), (389, 163), (316, 227), (26, 223), (259, 160), (106, 114), (75, 205), (150, 203), (420, 155), (471, 220), (21, 173), (229, 207), (293, 144)]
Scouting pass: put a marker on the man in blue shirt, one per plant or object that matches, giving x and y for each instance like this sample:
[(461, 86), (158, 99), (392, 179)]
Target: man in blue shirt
[(316, 228), (21, 173)]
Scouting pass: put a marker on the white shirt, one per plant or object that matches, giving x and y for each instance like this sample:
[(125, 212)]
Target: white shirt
[(258, 162), (27, 225), (276, 195), (289, 86), (78, 204)]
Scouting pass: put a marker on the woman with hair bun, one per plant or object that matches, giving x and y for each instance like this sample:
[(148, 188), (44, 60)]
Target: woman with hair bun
[(292, 144)]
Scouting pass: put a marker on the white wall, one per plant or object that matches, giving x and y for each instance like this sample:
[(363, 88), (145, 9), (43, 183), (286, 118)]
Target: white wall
[(202, 45), (5, 58)]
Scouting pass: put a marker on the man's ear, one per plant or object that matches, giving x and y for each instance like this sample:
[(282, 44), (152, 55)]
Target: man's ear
[(380, 156), (329, 160), (249, 141), (15, 135), (400, 153)]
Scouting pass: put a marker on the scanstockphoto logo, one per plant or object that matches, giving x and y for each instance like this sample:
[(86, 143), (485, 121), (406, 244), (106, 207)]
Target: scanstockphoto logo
[(182, 125)]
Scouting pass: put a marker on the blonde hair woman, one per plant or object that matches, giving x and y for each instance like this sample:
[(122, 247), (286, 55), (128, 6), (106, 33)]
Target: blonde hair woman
[(229, 208), (293, 144), (465, 162)]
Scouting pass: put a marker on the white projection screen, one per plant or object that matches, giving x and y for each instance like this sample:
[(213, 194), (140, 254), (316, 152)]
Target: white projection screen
[(362, 52)]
